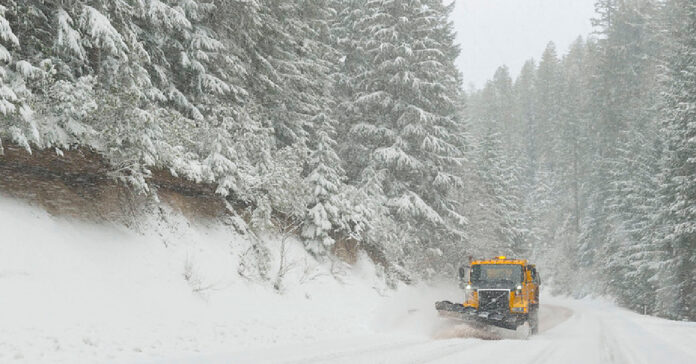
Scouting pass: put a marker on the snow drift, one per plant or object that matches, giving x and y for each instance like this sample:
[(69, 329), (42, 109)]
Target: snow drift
[(81, 292)]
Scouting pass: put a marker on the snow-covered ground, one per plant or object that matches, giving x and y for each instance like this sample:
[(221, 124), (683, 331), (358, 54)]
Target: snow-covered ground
[(73, 292), (587, 331)]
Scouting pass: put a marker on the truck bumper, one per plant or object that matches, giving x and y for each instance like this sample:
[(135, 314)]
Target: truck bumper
[(507, 320)]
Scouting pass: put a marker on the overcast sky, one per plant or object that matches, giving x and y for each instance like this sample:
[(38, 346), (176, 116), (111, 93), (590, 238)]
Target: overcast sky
[(497, 32)]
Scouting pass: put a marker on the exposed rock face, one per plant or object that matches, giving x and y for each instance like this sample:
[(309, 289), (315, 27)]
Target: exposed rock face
[(77, 183)]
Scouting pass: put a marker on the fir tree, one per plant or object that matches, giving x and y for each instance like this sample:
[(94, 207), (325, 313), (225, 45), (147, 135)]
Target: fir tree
[(8, 97), (634, 205), (405, 104), (17, 123), (325, 185), (678, 192), (549, 104), (500, 200)]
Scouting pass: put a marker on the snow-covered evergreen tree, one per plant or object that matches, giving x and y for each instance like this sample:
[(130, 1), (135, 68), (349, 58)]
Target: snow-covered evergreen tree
[(678, 192), (405, 113), (325, 181), (631, 269), (524, 111), (499, 212), (549, 105), (8, 97), (16, 122), (606, 193), (348, 116)]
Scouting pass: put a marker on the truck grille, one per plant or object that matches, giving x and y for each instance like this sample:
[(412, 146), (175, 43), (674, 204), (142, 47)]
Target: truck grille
[(494, 300)]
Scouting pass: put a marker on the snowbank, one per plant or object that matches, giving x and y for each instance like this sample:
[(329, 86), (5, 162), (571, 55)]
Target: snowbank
[(77, 292)]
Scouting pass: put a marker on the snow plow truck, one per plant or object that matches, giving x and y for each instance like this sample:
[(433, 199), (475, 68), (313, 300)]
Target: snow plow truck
[(502, 292)]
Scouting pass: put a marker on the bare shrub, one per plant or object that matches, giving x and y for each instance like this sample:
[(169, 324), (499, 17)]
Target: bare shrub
[(288, 227), (193, 277)]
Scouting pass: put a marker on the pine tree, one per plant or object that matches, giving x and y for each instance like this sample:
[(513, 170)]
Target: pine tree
[(620, 71), (348, 38), (631, 270), (500, 200), (17, 75), (574, 139), (549, 104), (494, 107), (678, 192), (325, 185), (503, 86), (525, 113), (630, 155), (405, 104), (605, 11), (9, 107)]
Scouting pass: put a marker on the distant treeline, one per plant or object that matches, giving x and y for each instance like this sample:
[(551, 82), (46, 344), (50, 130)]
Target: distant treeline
[(601, 144)]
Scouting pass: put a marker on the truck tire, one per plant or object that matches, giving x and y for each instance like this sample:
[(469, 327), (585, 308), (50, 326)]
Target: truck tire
[(524, 331), (534, 321)]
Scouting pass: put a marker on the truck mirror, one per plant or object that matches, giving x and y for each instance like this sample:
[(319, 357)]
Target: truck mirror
[(462, 273)]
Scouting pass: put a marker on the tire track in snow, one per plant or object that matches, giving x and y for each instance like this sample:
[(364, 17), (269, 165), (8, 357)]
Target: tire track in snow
[(345, 354), (625, 341), (458, 348), (405, 352), (585, 334), (612, 351), (544, 354), (551, 316), (425, 351)]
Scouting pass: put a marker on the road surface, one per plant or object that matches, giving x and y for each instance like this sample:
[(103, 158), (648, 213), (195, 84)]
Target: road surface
[(570, 332)]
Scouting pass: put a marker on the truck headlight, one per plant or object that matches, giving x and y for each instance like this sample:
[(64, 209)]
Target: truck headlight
[(468, 293)]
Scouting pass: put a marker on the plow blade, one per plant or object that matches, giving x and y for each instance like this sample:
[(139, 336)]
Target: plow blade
[(480, 318)]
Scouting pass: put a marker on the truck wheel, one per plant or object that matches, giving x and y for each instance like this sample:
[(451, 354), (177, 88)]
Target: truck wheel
[(534, 321), (524, 331)]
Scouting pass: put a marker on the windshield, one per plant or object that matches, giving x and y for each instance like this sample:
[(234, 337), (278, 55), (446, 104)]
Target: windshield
[(507, 273)]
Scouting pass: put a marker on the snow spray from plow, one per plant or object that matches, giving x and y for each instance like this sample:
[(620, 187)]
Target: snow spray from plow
[(458, 330)]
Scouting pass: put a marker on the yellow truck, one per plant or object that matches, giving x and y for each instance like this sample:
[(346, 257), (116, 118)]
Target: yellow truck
[(501, 292)]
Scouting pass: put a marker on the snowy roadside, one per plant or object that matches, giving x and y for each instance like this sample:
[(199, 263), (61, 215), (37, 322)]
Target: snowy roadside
[(73, 292), (586, 331), (573, 332)]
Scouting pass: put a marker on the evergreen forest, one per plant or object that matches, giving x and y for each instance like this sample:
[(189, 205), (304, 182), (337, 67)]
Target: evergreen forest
[(351, 118)]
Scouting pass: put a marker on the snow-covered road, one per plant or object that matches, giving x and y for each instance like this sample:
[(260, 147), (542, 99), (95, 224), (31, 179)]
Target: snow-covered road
[(74, 293), (572, 332)]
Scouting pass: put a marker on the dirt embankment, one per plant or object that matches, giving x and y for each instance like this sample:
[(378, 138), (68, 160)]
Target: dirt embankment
[(77, 183)]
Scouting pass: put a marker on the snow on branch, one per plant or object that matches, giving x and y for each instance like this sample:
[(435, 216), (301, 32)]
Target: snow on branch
[(67, 37), (102, 33), (411, 205)]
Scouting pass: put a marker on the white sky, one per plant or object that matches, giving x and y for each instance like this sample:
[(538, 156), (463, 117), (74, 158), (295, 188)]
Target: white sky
[(496, 32)]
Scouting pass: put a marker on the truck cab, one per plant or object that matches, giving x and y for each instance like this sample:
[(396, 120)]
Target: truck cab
[(501, 291)]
